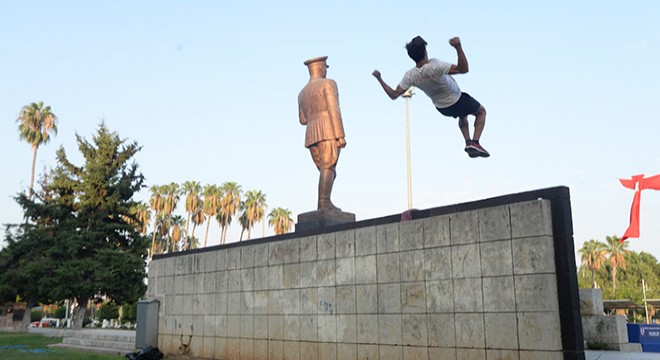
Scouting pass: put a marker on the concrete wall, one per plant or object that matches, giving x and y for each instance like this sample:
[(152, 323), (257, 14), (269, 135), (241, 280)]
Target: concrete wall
[(6, 320), (606, 329), (473, 281)]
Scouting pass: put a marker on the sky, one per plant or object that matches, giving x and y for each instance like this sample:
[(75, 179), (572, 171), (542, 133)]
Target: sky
[(209, 90)]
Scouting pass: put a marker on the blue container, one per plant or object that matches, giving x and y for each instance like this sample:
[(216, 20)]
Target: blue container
[(645, 334)]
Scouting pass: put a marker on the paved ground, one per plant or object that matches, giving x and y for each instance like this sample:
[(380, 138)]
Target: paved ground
[(616, 355)]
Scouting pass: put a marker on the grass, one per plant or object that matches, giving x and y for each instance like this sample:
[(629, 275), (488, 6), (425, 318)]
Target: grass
[(20, 346)]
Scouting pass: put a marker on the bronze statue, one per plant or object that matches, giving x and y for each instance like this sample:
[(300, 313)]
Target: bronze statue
[(318, 107)]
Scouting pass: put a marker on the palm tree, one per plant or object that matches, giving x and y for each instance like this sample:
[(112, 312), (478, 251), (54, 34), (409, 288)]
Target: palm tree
[(230, 202), (224, 221), (163, 235), (176, 222), (617, 251), (156, 204), (191, 243), (281, 221), (171, 195), (139, 217), (143, 216), (211, 206), (243, 220), (136, 216), (191, 189), (36, 123), (593, 253), (197, 219), (253, 209)]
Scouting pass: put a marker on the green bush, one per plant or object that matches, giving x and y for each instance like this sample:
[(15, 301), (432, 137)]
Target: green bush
[(129, 312), (108, 310), (86, 321), (597, 345), (60, 313), (36, 315)]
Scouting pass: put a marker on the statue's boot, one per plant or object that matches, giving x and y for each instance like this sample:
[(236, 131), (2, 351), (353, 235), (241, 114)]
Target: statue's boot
[(326, 180)]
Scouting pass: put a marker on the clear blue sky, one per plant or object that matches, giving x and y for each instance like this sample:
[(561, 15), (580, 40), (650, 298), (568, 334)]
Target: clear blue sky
[(209, 89)]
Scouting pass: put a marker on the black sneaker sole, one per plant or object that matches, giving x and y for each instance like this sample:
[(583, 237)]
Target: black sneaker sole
[(471, 152)]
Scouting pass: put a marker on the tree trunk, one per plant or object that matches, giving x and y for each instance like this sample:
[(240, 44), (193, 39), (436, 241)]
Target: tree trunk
[(188, 224), (222, 234), (192, 238), (27, 315), (34, 162), (79, 314), (593, 281), (208, 222), (613, 280), (153, 242)]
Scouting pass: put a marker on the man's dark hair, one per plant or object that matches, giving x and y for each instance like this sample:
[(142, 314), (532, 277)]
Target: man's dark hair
[(416, 48)]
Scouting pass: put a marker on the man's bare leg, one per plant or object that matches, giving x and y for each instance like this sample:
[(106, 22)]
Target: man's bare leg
[(472, 146), (479, 122), (465, 128)]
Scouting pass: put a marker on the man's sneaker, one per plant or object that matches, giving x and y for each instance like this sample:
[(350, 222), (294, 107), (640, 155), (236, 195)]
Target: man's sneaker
[(476, 148), (471, 152)]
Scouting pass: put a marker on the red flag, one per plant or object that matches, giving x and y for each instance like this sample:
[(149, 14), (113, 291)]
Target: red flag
[(638, 183)]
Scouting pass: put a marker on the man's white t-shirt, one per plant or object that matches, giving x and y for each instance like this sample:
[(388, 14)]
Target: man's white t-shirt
[(434, 79)]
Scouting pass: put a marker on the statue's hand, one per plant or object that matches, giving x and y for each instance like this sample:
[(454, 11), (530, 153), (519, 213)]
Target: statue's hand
[(376, 74), (341, 142)]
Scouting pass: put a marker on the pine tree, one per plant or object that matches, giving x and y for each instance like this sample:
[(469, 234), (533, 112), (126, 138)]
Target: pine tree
[(84, 228)]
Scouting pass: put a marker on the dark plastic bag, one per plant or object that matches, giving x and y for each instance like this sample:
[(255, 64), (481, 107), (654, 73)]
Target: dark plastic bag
[(148, 353)]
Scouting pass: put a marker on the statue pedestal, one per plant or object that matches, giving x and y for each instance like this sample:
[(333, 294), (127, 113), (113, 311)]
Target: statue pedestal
[(319, 219)]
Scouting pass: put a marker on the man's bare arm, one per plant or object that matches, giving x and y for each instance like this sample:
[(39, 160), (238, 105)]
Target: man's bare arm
[(462, 67), (392, 93)]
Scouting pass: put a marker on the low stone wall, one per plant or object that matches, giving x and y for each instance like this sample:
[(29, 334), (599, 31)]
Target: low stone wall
[(492, 279), (6, 320), (600, 329)]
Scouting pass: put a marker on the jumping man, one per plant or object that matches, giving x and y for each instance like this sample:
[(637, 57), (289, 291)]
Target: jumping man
[(434, 77)]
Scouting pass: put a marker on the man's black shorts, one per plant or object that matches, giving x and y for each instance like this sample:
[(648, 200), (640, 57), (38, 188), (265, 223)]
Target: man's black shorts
[(466, 105)]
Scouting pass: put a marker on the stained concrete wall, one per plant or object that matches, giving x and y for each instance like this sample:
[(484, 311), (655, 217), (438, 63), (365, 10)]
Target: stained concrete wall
[(481, 280), (610, 330)]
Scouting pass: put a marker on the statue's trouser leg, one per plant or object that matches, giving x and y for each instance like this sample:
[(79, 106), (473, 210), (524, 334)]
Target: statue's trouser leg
[(325, 155), (326, 180)]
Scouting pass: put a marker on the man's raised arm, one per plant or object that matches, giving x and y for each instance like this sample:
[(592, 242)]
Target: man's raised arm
[(462, 67), (392, 93)]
